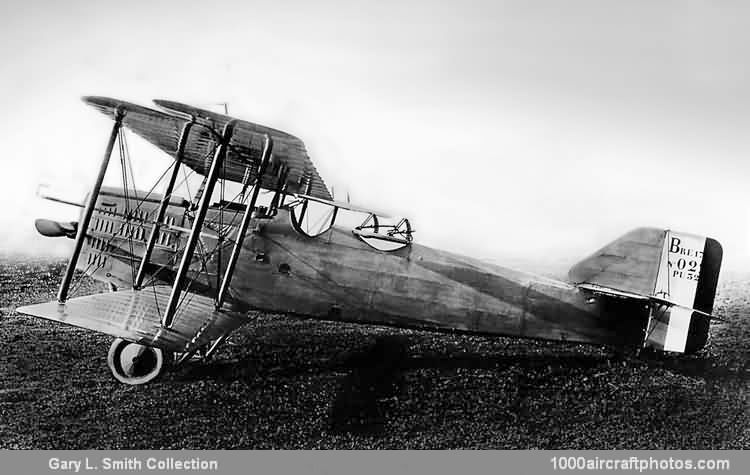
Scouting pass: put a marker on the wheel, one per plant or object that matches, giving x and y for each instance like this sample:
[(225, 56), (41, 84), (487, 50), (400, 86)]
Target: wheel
[(132, 363)]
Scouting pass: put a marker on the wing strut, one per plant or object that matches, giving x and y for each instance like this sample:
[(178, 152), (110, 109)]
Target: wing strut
[(283, 173), (163, 205), (267, 149), (308, 188), (83, 225), (200, 216)]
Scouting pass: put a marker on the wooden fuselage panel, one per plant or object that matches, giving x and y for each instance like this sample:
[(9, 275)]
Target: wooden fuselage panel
[(337, 276)]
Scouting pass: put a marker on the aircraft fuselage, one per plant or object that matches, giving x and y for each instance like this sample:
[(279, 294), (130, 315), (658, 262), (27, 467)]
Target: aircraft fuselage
[(338, 276)]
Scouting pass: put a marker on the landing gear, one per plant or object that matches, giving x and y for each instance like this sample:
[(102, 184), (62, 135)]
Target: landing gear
[(132, 363)]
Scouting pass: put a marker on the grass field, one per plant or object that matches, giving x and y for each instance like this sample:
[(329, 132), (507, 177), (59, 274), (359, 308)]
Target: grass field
[(296, 383)]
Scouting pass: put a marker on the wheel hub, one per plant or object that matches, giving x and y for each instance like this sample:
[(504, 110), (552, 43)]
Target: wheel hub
[(132, 363)]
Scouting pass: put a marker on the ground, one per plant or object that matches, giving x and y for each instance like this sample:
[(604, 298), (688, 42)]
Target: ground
[(297, 383)]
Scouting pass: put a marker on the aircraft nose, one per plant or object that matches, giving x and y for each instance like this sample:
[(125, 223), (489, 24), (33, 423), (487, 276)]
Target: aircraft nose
[(50, 228)]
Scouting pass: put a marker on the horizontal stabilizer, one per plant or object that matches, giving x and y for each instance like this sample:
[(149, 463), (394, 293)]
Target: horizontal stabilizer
[(598, 289), (135, 315), (669, 303)]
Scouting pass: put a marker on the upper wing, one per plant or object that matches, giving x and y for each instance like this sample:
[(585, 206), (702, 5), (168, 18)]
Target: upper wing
[(135, 315), (245, 147)]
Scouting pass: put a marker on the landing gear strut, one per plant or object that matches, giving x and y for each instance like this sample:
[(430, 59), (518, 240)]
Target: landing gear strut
[(132, 363)]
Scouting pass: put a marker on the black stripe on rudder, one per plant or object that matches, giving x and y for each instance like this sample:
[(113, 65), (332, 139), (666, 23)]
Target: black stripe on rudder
[(697, 332), (709, 276), (704, 296)]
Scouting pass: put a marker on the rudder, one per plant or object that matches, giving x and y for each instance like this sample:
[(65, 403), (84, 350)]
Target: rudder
[(687, 281)]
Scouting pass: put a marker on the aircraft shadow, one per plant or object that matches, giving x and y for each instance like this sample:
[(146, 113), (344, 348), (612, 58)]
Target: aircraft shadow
[(696, 366), (376, 376)]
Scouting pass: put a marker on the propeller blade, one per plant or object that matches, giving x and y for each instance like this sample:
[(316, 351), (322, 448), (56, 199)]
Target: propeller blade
[(49, 228)]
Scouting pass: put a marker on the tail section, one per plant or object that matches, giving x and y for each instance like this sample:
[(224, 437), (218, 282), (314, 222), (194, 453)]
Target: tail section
[(686, 284), (677, 272)]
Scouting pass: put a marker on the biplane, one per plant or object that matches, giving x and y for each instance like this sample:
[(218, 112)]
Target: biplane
[(187, 272)]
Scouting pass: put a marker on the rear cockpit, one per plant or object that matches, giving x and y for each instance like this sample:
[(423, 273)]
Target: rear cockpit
[(384, 236), (314, 217)]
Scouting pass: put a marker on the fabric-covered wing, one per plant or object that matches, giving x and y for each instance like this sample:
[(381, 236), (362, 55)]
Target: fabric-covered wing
[(136, 316), (246, 145)]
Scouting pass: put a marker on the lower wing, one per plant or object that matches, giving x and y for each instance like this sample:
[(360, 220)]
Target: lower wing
[(135, 315)]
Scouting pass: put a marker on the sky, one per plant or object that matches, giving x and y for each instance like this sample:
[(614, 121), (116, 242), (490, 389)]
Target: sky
[(516, 131)]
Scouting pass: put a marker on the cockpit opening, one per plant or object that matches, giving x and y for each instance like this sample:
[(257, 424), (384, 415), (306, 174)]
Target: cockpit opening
[(383, 235), (313, 217)]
